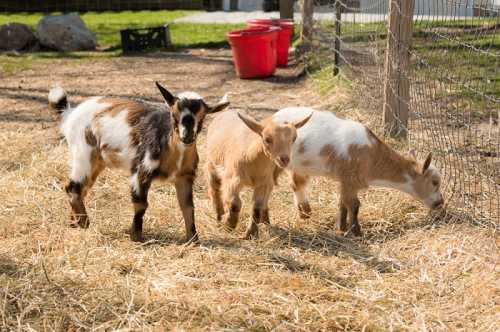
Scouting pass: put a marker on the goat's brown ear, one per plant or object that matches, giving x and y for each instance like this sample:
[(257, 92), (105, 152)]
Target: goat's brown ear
[(427, 162), (218, 107), (302, 122), (251, 123), (169, 98)]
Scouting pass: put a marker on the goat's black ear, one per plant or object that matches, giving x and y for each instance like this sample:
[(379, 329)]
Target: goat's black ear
[(169, 98), (427, 163), (218, 107)]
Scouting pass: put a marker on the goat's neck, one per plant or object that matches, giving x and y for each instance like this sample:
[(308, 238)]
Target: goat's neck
[(175, 143), (389, 169), (258, 154)]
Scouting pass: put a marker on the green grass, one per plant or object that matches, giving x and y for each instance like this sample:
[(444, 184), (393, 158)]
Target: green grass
[(107, 26)]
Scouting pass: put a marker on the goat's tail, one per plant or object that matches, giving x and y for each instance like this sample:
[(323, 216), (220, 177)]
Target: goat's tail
[(58, 100)]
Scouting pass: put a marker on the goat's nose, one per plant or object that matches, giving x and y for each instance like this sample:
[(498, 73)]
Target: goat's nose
[(438, 204), (284, 160)]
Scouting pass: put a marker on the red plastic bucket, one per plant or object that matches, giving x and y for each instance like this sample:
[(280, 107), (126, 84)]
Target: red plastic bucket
[(284, 36), (254, 51)]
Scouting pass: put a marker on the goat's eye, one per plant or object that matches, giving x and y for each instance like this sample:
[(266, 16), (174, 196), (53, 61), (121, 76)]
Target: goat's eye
[(435, 183), (268, 140), (294, 138)]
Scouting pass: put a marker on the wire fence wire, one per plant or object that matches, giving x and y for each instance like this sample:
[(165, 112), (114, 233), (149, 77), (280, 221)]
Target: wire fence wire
[(454, 77)]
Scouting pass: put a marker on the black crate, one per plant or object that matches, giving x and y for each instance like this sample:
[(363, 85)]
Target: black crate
[(136, 40)]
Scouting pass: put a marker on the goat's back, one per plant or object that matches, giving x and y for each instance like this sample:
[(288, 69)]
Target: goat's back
[(228, 138)]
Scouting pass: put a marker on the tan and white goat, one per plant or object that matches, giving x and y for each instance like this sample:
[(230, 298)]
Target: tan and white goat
[(148, 140), (244, 152), (350, 153)]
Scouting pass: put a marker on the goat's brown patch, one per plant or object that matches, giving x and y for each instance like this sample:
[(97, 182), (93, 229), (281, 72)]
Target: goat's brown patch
[(90, 137), (302, 147)]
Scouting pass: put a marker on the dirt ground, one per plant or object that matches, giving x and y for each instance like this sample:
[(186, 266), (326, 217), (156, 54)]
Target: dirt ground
[(408, 271)]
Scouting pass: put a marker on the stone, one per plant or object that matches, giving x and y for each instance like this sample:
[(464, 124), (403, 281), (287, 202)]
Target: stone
[(16, 37)]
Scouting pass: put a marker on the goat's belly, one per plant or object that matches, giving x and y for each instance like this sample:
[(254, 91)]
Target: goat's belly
[(115, 159), (308, 165)]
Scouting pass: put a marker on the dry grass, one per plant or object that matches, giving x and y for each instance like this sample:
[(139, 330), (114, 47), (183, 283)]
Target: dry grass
[(409, 271)]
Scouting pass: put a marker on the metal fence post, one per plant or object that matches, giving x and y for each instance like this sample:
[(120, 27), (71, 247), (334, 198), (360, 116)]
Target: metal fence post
[(397, 63)]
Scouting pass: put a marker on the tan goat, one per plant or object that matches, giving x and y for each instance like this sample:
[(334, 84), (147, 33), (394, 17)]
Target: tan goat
[(350, 153), (244, 152)]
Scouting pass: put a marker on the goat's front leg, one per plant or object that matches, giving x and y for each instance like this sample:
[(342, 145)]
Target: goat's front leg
[(260, 201), (350, 203), (232, 202), (140, 182), (299, 187), (184, 190)]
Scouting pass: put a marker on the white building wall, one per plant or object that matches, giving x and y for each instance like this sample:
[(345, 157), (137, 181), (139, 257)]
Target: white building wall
[(453, 8)]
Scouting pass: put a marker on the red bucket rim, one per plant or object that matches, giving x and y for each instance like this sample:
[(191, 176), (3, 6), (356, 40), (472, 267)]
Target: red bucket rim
[(253, 31), (272, 21)]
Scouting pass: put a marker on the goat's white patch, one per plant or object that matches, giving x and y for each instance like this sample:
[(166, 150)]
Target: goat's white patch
[(73, 126), (324, 128), (406, 186), (56, 94), (149, 163), (134, 183), (189, 95), (115, 135)]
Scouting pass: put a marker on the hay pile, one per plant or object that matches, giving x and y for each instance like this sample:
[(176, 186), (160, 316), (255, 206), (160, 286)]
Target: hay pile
[(409, 272)]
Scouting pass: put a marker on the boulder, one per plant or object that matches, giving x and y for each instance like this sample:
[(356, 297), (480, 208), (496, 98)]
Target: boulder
[(16, 37), (65, 33)]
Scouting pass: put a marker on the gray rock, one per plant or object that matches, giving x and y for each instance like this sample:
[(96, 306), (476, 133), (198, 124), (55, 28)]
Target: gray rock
[(65, 33), (16, 37)]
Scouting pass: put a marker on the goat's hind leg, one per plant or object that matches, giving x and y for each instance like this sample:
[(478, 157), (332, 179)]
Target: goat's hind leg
[(232, 202), (86, 167), (214, 185)]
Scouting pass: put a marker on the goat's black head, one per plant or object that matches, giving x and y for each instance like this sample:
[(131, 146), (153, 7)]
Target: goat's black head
[(188, 111)]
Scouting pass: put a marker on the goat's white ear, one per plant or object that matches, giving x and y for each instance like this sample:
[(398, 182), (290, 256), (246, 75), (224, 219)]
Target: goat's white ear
[(251, 123), (302, 122), (218, 107), (169, 98), (413, 153), (427, 162)]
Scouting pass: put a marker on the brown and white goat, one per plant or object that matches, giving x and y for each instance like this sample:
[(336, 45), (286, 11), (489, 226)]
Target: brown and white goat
[(148, 140), (350, 153), (244, 152)]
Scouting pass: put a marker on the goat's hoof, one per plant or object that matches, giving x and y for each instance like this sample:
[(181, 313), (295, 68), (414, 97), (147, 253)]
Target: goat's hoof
[(252, 233), (136, 236), (80, 222), (304, 210), (228, 227), (342, 225), (192, 238), (84, 222), (356, 231)]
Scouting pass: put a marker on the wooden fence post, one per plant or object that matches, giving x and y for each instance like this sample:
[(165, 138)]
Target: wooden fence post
[(336, 46), (306, 32), (397, 63), (286, 9)]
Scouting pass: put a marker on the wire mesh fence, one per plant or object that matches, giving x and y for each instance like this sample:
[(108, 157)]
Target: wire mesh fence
[(453, 74)]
